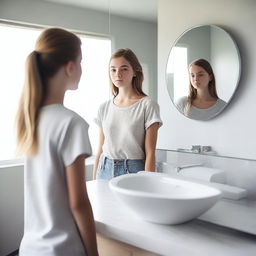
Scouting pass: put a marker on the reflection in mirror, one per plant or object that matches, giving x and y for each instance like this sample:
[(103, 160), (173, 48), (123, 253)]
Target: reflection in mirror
[(203, 71)]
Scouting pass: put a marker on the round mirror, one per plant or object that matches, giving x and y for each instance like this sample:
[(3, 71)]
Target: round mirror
[(203, 71)]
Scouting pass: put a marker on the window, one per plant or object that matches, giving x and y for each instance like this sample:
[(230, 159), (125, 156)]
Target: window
[(15, 44)]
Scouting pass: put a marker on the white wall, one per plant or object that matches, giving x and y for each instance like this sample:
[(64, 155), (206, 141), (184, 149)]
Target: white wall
[(233, 132)]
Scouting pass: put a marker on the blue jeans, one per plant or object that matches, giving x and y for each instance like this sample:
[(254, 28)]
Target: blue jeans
[(110, 168)]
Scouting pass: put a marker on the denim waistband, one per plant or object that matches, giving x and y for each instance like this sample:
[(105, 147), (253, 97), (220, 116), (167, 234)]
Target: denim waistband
[(119, 161)]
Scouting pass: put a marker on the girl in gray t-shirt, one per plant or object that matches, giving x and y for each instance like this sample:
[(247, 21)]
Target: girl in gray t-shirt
[(202, 103), (128, 123)]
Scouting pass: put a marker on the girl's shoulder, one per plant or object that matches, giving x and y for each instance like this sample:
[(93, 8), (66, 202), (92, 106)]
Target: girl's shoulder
[(61, 118), (69, 116), (105, 105), (148, 102), (181, 100)]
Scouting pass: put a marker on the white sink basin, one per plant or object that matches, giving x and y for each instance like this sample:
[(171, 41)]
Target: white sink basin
[(160, 198)]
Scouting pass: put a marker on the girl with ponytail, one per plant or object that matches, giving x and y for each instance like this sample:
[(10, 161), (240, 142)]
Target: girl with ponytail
[(58, 215)]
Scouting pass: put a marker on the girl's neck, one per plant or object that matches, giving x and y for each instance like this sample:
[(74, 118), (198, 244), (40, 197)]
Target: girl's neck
[(52, 101), (54, 97), (204, 95), (128, 94), (127, 99), (55, 92)]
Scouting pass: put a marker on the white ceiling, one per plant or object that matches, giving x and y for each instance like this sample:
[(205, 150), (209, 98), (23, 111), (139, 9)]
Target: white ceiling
[(138, 9)]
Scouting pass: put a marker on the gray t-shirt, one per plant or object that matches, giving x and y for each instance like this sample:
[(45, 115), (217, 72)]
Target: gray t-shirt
[(50, 228), (200, 113), (124, 128)]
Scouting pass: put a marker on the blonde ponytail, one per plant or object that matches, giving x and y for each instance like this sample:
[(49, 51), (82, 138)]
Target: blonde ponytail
[(29, 106)]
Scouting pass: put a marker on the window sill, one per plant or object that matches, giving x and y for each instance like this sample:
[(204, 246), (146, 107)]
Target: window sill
[(20, 162), (12, 163)]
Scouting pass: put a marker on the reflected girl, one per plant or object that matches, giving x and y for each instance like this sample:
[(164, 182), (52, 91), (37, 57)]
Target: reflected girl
[(202, 103)]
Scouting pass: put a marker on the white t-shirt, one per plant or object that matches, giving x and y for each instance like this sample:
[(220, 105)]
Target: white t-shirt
[(50, 229), (124, 128), (200, 113)]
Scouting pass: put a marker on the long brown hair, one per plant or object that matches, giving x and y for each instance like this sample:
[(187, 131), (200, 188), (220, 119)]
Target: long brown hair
[(54, 48), (137, 81), (211, 86)]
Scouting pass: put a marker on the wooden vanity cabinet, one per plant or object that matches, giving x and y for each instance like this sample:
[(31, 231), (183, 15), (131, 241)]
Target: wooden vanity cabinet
[(111, 247)]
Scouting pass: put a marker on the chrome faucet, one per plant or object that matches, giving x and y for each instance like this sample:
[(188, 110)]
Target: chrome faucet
[(179, 168), (206, 149), (197, 149)]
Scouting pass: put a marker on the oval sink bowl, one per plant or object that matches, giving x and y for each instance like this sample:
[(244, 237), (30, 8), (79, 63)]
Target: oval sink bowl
[(163, 199)]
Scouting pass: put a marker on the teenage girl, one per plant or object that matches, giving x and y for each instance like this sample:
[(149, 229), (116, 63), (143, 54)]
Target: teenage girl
[(128, 123), (58, 215)]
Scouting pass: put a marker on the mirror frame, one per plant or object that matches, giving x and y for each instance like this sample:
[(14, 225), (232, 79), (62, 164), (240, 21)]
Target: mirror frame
[(238, 75)]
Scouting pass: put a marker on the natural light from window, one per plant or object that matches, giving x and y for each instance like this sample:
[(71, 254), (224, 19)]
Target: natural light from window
[(177, 67), (15, 44)]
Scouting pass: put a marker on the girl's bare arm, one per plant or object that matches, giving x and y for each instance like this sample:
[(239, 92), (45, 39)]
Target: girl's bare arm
[(97, 157), (150, 147), (80, 205)]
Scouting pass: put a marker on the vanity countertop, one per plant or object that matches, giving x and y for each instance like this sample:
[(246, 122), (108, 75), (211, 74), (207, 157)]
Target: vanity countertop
[(196, 237)]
